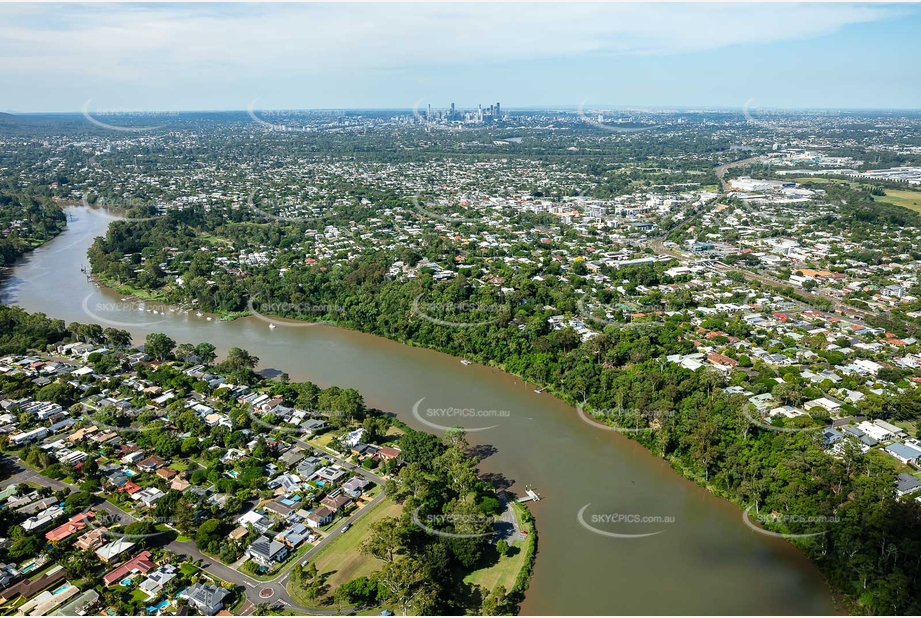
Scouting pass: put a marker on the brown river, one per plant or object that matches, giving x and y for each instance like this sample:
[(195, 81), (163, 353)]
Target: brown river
[(620, 532)]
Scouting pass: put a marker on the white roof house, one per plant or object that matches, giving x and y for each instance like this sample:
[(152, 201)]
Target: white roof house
[(874, 431)]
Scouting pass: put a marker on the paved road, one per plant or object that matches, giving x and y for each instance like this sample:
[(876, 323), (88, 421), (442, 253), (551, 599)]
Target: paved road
[(720, 170), (254, 588)]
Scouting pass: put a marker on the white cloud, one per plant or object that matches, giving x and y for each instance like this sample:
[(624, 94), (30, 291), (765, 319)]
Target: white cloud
[(169, 45), (383, 35)]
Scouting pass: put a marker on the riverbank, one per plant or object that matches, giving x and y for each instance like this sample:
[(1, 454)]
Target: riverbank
[(542, 443), (559, 391)]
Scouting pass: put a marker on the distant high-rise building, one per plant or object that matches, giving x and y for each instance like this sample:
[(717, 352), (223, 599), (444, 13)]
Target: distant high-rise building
[(498, 110)]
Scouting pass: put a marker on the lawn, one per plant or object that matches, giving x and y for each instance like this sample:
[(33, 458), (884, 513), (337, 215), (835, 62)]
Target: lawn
[(902, 197), (394, 432), (341, 560), (139, 595), (505, 570), (188, 569), (322, 441)]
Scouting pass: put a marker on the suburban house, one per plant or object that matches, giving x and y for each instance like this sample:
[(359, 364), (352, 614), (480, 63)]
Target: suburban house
[(330, 474), (74, 525), (895, 431), (256, 519), (293, 535), (355, 486), (335, 503), (111, 551), (276, 507), (292, 457), (906, 484), (875, 431), (313, 426), (904, 453), (141, 563), (207, 599), (158, 578), (320, 517), (266, 552), (166, 473), (37, 522), (148, 496), (92, 539), (151, 464)]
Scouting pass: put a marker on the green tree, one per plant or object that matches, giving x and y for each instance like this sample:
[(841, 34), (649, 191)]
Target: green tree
[(159, 346)]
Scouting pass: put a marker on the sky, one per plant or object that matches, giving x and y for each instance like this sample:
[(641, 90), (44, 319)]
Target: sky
[(112, 58)]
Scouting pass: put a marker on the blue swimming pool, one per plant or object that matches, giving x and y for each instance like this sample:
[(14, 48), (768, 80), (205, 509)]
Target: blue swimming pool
[(60, 590), (152, 609), (126, 582)]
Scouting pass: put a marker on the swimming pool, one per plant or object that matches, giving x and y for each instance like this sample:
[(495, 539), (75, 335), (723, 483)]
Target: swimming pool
[(126, 582), (60, 590), (151, 609), (29, 567)]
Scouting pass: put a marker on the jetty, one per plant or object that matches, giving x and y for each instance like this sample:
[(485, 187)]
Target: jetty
[(531, 495)]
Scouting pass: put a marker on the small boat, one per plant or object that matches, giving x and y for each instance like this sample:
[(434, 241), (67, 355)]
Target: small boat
[(466, 362), (124, 299), (271, 326), (198, 313), (539, 390), (209, 319)]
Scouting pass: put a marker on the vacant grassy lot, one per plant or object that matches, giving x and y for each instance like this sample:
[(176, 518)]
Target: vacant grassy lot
[(340, 561), (505, 570), (902, 197)]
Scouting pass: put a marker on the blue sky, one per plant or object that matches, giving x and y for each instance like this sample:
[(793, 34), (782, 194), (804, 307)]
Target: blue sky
[(144, 57)]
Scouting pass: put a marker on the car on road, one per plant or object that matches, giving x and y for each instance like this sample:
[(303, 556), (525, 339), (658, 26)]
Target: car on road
[(346, 527)]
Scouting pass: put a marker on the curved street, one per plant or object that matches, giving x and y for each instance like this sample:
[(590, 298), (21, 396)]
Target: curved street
[(274, 590)]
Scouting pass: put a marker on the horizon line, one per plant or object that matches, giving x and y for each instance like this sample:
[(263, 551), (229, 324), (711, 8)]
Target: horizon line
[(411, 110)]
